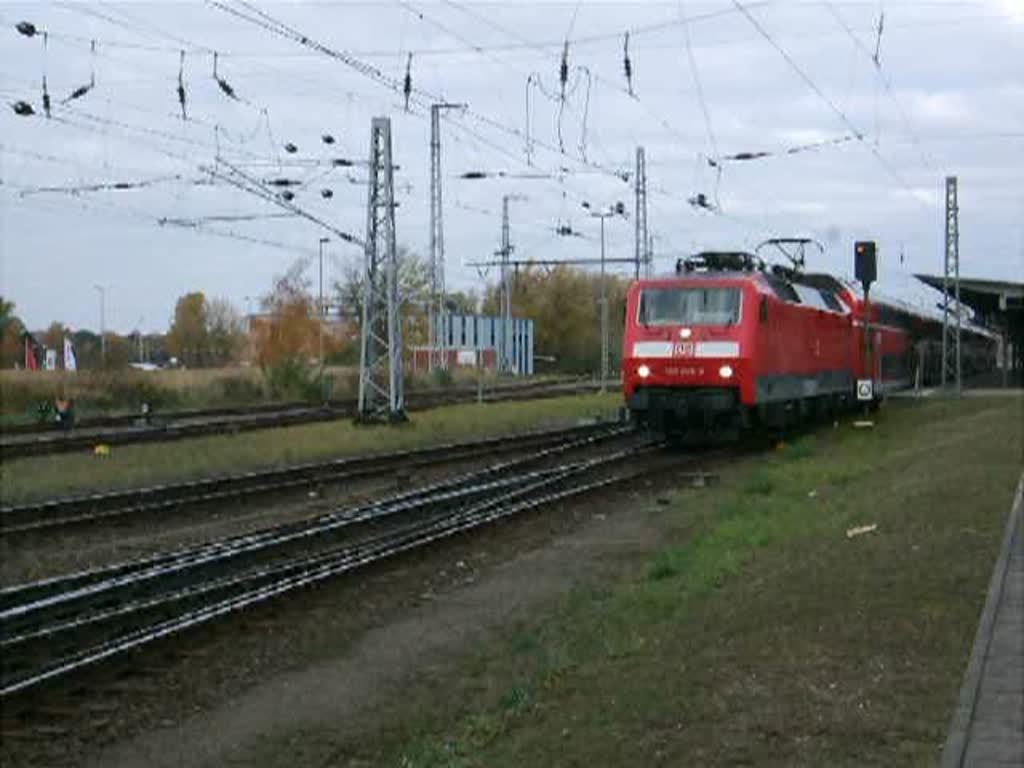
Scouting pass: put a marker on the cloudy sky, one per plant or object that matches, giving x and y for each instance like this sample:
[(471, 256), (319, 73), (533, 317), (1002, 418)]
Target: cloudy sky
[(855, 150)]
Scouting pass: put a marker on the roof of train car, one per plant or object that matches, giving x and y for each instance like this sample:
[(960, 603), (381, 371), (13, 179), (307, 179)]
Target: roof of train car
[(919, 308)]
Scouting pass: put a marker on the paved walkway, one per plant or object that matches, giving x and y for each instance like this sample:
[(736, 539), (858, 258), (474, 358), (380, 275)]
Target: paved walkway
[(988, 726)]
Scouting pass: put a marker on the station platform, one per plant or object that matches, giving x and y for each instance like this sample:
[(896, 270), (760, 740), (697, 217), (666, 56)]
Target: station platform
[(988, 724)]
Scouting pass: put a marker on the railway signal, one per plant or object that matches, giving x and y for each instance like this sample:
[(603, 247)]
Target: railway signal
[(864, 263), (865, 268)]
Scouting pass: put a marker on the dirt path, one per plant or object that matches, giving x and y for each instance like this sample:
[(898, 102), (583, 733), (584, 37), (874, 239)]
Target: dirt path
[(308, 716)]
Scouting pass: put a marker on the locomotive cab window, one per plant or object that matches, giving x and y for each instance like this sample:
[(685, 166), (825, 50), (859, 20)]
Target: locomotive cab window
[(690, 306)]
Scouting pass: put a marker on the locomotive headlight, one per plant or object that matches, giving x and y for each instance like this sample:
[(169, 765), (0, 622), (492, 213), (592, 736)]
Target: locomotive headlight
[(685, 333), (643, 371), (725, 371)]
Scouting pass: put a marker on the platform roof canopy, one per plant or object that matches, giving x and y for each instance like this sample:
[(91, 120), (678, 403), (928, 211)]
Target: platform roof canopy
[(1001, 301)]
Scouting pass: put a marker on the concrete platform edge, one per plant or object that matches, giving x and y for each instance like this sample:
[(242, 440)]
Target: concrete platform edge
[(955, 748)]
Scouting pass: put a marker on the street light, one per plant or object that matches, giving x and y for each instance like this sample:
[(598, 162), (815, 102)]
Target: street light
[(320, 316), (619, 209)]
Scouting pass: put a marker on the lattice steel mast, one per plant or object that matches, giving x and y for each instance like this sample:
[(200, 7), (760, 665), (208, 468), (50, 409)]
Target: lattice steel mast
[(642, 249), (951, 369), (380, 365)]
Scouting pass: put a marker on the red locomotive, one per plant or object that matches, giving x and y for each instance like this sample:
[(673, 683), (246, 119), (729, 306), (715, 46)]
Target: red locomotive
[(727, 343)]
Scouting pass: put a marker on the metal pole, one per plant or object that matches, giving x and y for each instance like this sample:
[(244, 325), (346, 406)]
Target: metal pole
[(951, 361), (869, 370), (505, 351), (320, 318), (436, 309), (436, 256), (604, 315), (641, 249)]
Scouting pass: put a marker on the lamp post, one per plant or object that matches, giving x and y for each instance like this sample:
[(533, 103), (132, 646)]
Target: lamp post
[(619, 209), (320, 317)]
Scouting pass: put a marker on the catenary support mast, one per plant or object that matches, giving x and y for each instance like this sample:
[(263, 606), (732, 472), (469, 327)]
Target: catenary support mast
[(642, 249), (436, 310), (951, 364), (380, 366)]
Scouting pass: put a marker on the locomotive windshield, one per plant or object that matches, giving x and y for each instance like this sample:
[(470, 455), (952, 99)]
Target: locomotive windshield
[(689, 306)]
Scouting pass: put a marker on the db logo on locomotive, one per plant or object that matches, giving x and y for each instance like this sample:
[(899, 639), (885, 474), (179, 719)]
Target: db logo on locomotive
[(682, 349)]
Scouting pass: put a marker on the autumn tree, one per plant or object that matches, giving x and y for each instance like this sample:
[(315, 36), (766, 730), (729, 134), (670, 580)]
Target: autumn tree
[(87, 348), (462, 302), (564, 303), (11, 330), (53, 337), (413, 293), (205, 331), (225, 331), (288, 330), (188, 338)]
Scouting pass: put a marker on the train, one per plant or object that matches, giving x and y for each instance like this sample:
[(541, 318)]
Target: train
[(728, 343)]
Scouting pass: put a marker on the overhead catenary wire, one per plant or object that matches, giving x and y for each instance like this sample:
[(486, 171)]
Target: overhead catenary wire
[(81, 90), (108, 123), (893, 173), (419, 96), (554, 45), (705, 112), (243, 181), (886, 82)]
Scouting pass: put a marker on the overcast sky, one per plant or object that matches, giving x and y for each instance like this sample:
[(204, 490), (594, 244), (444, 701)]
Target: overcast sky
[(947, 97)]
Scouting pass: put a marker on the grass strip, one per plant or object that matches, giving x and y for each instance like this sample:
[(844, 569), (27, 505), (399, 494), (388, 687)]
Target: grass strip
[(148, 463), (759, 632)]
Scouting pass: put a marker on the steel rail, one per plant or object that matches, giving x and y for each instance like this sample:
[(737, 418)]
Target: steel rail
[(325, 565), (524, 483), (37, 595), (35, 445), (349, 403), (57, 513)]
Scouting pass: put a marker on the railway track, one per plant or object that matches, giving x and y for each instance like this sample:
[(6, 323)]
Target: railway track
[(52, 515), (123, 430), (54, 628)]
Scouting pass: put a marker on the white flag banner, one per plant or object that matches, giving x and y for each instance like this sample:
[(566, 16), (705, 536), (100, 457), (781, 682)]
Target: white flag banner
[(50, 360), (70, 364)]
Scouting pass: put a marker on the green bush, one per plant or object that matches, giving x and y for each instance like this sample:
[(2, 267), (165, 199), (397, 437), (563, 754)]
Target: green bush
[(292, 379)]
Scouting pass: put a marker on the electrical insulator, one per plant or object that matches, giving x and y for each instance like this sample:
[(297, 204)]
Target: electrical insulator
[(290, 148), (22, 108), (181, 86), (224, 84), (627, 65), (326, 194), (563, 70), (27, 28), (327, 138), (407, 83), (288, 195)]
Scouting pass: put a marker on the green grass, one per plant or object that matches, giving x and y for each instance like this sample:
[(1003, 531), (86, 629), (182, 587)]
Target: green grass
[(142, 464), (759, 633)]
